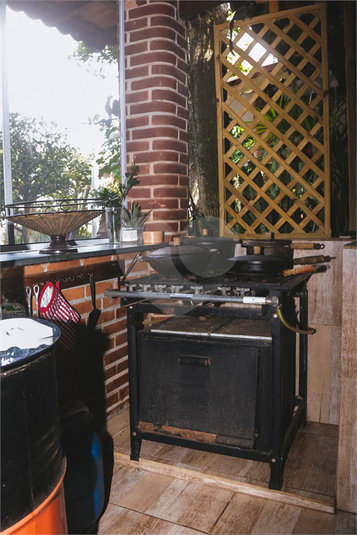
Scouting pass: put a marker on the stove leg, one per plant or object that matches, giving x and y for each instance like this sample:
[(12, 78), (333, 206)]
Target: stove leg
[(276, 475), (276, 464), (135, 448), (303, 352), (133, 320)]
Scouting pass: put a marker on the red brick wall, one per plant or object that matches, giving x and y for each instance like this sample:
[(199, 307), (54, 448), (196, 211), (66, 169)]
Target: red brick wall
[(157, 112), (96, 370)]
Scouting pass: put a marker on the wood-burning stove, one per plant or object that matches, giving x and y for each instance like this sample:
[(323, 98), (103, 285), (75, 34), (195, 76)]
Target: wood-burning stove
[(220, 373)]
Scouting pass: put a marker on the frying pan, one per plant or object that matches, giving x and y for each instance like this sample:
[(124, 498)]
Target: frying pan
[(260, 264), (185, 260), (278, 248)]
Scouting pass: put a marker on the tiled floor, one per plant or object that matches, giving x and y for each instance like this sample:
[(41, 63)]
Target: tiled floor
[(144, 500)]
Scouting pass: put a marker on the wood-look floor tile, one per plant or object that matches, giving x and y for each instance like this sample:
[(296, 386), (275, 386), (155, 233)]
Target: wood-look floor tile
[(109, 516), (149, 449), (226, 464), (311, 523), (312, 464), (118, 423), (146, 492), (182, 530), (311, 495), (240, 516), (191, 505), (122, 440), (129, 522), (174, 501), (205, 507), (243, 470), (117, 521), (124, 479), (162, 527), (171, 453), (198, 459), (120, 521), (276, 519), (149, 525), (256, 471), (345, 523)]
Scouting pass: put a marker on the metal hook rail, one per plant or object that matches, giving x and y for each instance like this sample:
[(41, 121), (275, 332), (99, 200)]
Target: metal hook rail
[(14, 287)]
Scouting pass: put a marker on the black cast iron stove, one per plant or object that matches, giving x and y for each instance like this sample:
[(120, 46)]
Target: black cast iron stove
[(219, 371)]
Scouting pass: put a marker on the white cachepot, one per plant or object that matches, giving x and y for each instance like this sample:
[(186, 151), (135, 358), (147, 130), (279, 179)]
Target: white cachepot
[(131, 235)]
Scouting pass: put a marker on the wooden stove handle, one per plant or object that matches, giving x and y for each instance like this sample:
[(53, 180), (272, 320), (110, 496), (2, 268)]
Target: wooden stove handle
[(320, 259), (307, 246), (313, 268)]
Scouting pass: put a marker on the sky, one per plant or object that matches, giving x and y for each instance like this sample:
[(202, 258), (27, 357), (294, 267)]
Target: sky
[(44, 83)]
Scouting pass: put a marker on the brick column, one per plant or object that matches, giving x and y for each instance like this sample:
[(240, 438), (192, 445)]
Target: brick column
[(157, 111)]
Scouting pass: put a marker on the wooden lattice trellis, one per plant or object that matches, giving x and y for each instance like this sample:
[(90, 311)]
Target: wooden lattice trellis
[(273, 124)]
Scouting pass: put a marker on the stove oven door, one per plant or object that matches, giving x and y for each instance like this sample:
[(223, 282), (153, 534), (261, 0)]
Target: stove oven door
[(199, 387)]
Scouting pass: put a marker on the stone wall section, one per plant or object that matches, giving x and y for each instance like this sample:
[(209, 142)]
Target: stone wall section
[(157, 111)]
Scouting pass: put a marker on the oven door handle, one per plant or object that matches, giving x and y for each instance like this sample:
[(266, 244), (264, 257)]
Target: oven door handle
[(193, 360)]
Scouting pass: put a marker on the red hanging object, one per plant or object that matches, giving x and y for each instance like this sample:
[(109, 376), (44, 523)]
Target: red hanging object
[(53, 306)]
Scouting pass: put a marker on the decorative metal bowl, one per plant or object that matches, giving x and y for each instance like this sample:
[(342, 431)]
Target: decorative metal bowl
[(56, 218)]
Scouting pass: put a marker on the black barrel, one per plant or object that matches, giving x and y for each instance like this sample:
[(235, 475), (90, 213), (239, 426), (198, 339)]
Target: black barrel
[(32, 462)]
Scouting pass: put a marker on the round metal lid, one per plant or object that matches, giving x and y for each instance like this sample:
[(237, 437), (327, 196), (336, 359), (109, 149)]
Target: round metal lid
[(18, 336), (178, 250)]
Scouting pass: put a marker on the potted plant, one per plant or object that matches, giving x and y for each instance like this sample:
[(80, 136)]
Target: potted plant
[(112, 196), (133, 221)]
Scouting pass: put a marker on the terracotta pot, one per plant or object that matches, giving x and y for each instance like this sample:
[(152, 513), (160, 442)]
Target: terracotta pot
[(153, 237)]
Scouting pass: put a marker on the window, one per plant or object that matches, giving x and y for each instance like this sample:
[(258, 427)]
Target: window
[(60, 109)]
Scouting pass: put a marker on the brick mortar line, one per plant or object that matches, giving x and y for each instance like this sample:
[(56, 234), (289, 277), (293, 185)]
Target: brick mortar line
[(158, 38), (151, 125), (119, 389), (117, 405), (119, 361), (109, 322), (120, 346), (86, 299), (115, 377)]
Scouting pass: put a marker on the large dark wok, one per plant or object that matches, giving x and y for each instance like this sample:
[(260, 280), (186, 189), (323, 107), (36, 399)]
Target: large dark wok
[(184, 260)]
